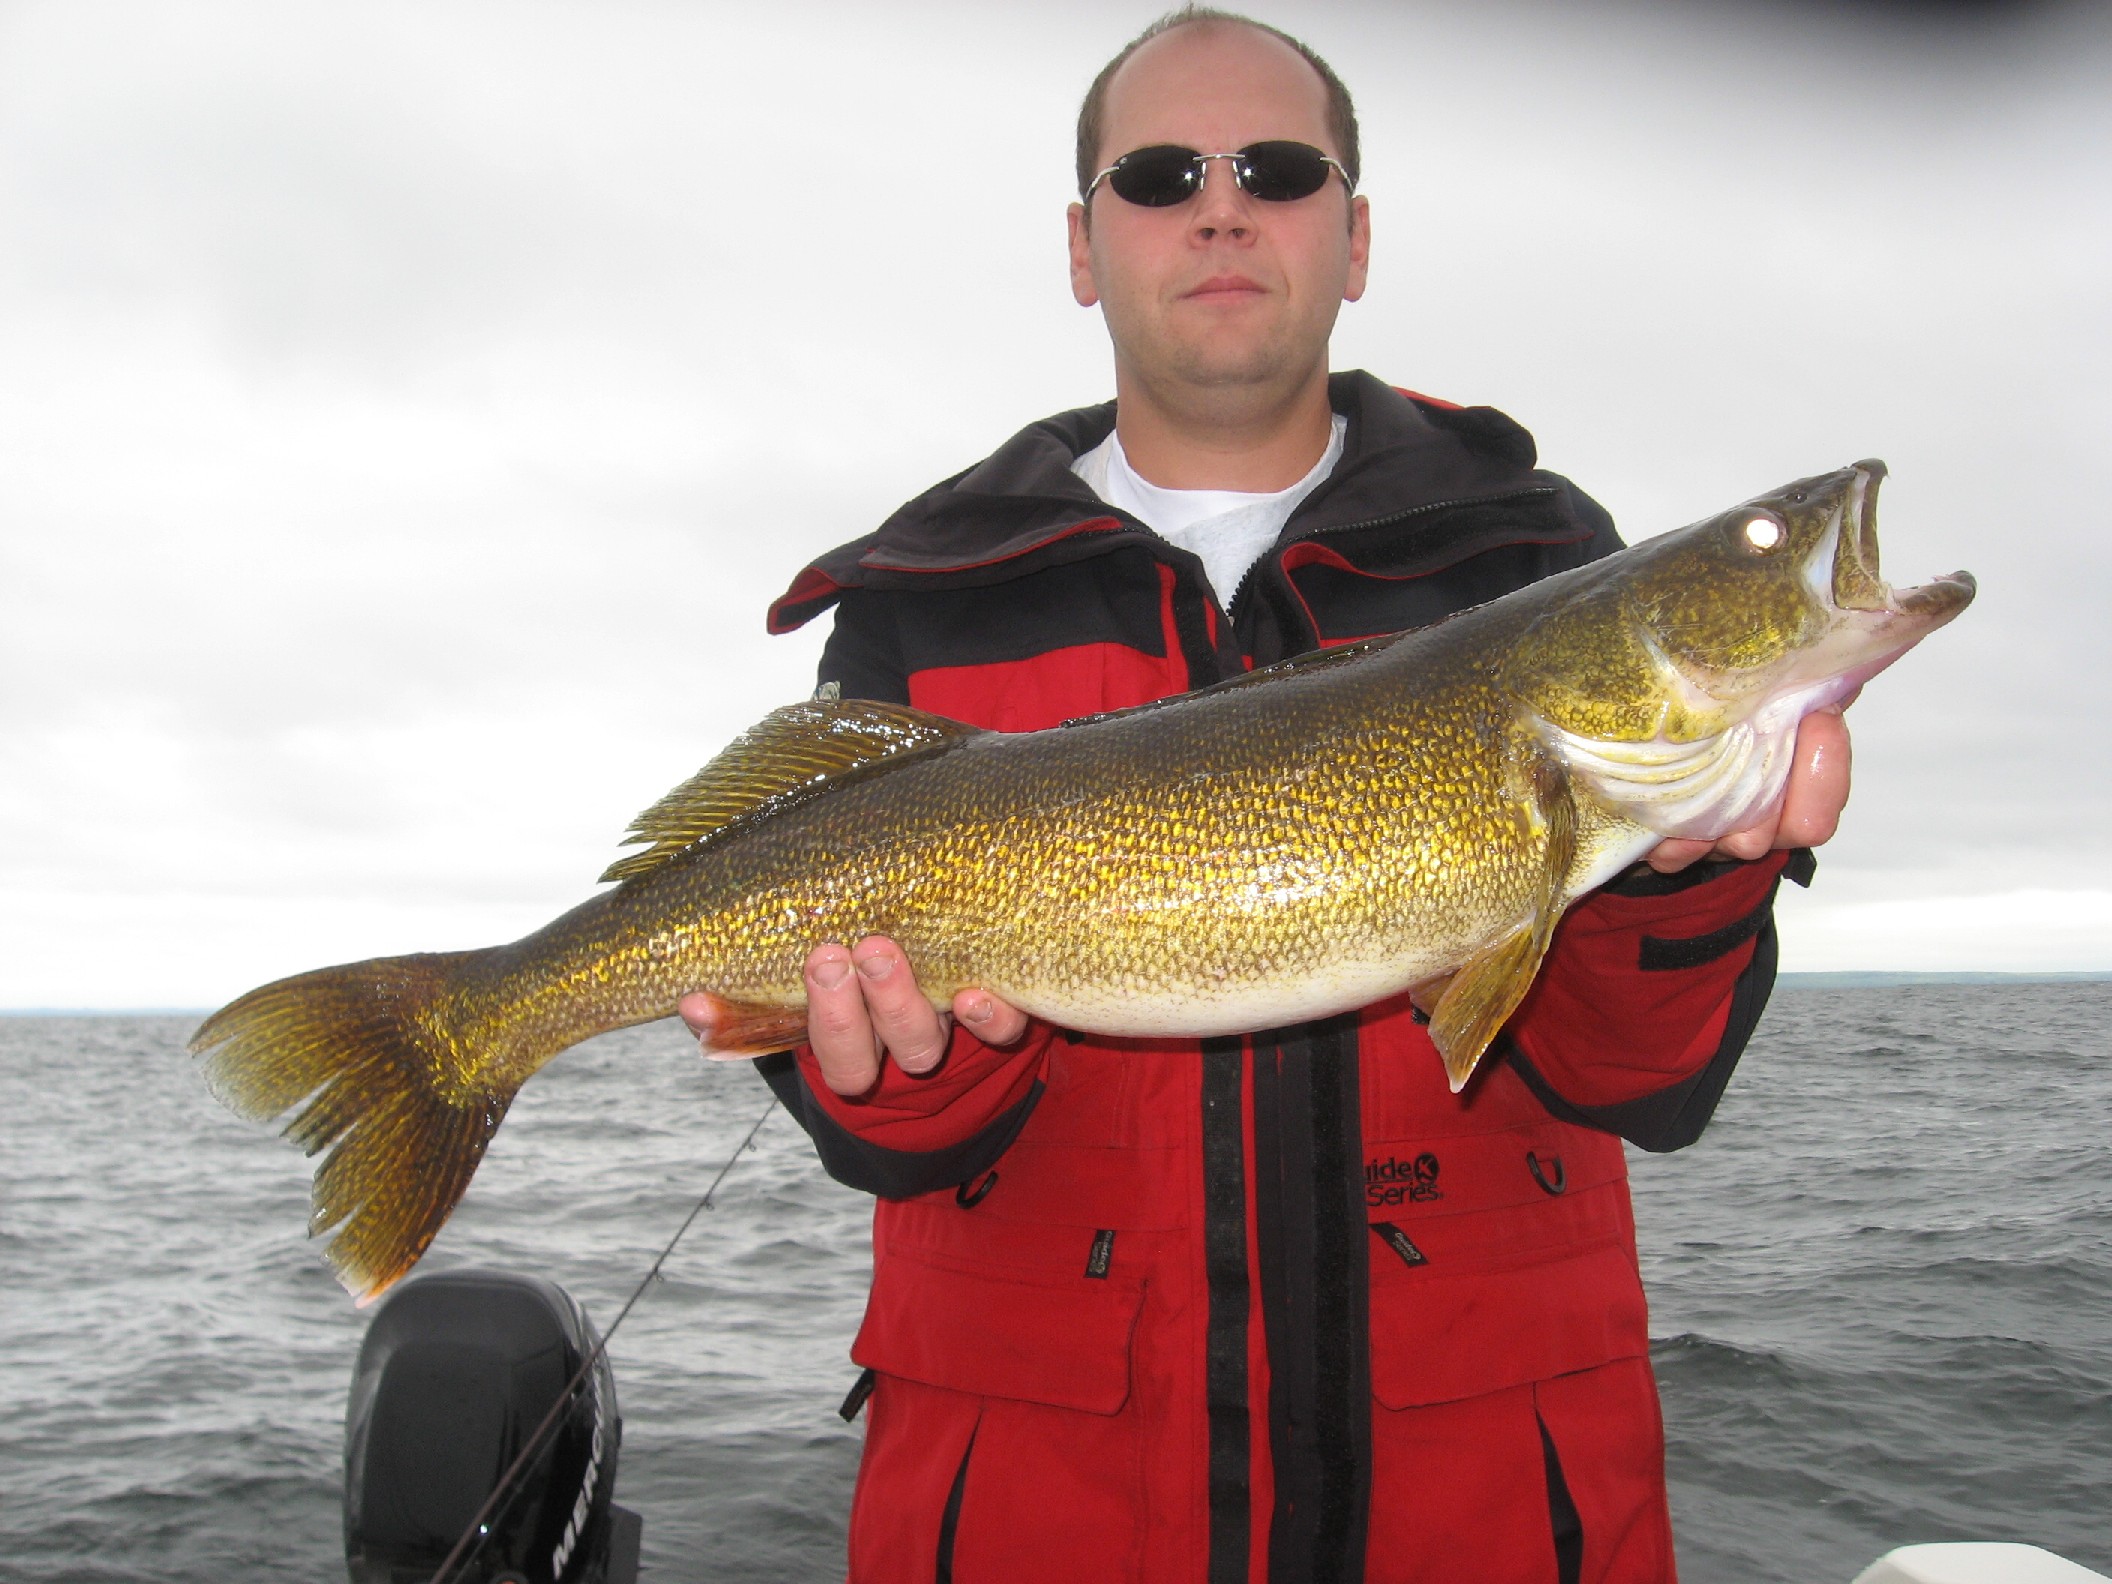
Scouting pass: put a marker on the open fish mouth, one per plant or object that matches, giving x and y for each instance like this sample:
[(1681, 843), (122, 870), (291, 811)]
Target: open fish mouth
[(1850, 581), (1869, 624)]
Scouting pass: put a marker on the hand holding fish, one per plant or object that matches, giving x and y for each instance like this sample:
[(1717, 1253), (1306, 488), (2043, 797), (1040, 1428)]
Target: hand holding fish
[(864, 1005), (1810, 807)]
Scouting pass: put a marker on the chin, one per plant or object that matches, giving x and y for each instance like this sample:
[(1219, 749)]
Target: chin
[(1221, 366), (1219, 351)]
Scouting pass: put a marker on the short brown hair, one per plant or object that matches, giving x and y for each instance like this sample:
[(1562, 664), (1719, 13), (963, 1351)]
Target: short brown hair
[(1092, 115)]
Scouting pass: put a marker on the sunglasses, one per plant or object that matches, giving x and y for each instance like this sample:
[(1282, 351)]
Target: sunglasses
[(1166, 174)]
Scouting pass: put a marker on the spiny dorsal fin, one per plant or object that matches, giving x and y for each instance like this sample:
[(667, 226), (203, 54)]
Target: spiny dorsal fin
[(1298, 665), (1488, 987), (785, 757)]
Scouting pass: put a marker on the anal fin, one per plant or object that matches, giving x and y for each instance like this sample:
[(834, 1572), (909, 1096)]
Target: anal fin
[(740, 1030)]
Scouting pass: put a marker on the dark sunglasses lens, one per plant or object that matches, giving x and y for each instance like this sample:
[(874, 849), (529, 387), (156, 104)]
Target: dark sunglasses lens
[(1281, 172), (1157, 177)]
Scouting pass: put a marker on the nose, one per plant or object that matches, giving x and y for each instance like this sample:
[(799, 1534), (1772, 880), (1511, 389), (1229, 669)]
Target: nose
[(1223, 207)]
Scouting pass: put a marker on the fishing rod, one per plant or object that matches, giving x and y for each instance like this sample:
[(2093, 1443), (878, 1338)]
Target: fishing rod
[(477, 1531)]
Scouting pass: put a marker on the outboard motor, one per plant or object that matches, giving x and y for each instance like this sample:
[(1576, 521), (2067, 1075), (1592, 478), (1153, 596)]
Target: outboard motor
[(457, 1370)]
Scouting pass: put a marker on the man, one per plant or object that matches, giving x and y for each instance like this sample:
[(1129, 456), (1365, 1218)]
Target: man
[(1279, 1307)]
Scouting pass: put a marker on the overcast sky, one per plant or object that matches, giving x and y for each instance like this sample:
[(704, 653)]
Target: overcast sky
[(407, 410)]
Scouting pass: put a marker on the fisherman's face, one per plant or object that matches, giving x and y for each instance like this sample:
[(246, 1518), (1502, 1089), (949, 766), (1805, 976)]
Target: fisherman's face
[(1224, 289)]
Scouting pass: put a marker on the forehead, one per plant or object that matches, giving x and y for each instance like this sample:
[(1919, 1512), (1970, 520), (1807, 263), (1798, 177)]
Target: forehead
[(1214, 86)]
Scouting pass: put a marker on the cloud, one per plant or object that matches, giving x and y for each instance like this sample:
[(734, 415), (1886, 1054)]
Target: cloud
[(409, 409), (2032, 930)]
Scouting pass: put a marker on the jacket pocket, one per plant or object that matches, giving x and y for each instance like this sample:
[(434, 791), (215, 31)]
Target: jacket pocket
[(1065, 1343), (1025, 1383), (1441, 1335)]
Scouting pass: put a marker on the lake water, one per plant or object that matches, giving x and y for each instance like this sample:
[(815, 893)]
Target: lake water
[(1881, 1287)]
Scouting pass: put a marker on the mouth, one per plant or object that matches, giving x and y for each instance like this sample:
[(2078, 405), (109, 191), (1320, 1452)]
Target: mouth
[(1224, 288), (1852, 582)]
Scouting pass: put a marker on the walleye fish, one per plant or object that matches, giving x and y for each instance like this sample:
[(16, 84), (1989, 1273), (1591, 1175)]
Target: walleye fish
[(1294, 843)]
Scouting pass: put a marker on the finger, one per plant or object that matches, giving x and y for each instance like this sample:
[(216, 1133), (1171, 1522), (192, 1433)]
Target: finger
[(1674, 853), (1426, 995), (990, 1020), (907, 1025), (1818, 781), (695, 1010), (837, 1025), (1754, 841)]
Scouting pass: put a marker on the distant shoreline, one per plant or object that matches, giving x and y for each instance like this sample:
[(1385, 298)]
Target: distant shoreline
[(1857, 979), (1842, 979), (151, 1011)]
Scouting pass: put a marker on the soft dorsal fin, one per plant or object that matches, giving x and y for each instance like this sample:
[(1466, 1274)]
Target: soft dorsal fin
[(1298, 665), (787, 756)]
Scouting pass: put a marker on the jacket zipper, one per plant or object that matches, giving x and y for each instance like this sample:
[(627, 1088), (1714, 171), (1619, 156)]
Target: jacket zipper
[(1436, 506), (1538, 490)]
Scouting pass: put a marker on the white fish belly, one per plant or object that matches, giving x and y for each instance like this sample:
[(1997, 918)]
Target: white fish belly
[(1205, 1010)]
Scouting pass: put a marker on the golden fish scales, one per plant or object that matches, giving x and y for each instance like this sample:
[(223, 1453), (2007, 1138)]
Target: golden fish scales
[(1118, 871)]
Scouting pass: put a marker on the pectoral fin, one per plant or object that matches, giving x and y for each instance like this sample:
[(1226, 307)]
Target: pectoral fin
[(1490, 984), (1483, 994)]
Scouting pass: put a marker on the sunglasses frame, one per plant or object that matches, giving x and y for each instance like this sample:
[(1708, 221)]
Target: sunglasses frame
[(1240, 170)]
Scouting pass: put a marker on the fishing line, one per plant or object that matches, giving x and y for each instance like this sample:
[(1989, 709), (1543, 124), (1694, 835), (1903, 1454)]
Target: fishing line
[(474, 1536)]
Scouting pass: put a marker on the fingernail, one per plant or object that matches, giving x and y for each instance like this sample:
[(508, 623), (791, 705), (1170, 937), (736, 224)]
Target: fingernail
[(979, 1010), (878, 966), (830, 973)]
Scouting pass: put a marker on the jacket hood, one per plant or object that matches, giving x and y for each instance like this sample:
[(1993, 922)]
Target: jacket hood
[(1021, 508)]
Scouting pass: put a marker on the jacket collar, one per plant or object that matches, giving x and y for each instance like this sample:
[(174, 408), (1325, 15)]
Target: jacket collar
[(1022, 508)]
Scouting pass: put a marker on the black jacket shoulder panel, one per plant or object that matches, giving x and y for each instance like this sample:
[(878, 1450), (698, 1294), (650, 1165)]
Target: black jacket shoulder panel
[(863, 654), (1604, 537), (1021, 508), (1486, 430)]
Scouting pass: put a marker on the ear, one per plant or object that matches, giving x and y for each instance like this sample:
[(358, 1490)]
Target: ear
[(1081, 243), (1359, 248)]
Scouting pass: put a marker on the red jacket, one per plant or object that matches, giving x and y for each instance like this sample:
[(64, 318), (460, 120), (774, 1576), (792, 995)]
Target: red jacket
[(1279, 1308)]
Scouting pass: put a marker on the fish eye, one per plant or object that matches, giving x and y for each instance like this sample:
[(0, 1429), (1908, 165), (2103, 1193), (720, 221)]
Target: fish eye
[(1763, 534)]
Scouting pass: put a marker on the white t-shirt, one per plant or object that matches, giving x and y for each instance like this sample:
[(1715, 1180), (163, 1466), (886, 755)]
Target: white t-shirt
[(1227, 529)]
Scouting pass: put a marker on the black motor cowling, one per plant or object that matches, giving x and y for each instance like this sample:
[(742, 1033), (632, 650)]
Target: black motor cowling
[(457, 1370)]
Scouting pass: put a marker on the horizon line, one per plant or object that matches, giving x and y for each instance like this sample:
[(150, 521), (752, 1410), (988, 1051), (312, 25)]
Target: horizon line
[(1788, 979)]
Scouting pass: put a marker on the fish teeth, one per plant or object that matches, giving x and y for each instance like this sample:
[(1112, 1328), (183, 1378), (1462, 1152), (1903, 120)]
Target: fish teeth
[(1818, 567)]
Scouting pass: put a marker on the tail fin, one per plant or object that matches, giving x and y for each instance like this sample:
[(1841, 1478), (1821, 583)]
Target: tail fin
[(367, 1053)]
